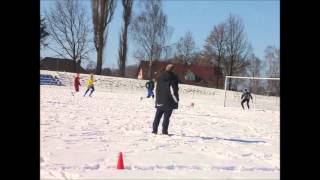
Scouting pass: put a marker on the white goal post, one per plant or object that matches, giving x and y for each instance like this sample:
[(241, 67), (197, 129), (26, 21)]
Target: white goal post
[(239, 77)]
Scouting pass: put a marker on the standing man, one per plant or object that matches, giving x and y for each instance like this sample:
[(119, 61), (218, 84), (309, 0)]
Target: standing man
[(167, 98), (246, 98)]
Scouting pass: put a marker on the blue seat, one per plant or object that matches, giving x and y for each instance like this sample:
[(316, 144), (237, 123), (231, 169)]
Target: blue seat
[(46, 79)]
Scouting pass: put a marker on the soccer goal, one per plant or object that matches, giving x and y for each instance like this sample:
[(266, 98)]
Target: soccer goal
[(265, 92)]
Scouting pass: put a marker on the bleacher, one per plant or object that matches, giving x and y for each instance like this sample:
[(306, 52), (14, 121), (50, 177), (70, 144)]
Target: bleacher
[(46, 79)]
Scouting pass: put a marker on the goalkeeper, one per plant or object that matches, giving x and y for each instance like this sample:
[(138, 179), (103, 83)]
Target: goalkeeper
[(246, 98)]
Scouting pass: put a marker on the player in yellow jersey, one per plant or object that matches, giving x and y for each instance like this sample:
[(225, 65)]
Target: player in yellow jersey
[(90, 85)]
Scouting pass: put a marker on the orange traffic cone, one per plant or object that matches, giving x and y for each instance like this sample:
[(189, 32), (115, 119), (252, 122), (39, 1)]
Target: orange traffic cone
[(120, 162)]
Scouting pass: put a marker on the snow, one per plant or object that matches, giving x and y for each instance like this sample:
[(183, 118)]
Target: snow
[(81, 137)]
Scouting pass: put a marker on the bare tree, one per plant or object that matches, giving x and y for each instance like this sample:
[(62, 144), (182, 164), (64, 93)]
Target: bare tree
[(175, 60), (127, 9), (255, 66), (68, 28), (102, 13), (201, 58), (215, 47), (91, 66), (43, 32), (150, 32), (186, 48), (272, 56), (254, 71), (237, 48)]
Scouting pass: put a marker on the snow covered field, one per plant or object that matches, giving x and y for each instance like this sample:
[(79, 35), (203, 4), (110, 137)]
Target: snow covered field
[(82, 136)]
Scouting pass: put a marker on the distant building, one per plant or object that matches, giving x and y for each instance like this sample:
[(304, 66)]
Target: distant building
[(188, 74), (56, 64)]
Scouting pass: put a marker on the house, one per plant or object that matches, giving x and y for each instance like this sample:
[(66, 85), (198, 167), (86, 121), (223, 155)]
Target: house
[(200, 75), (56, 64)]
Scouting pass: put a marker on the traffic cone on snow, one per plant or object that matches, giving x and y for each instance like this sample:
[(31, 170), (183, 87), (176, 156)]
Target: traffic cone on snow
[(120, 162)]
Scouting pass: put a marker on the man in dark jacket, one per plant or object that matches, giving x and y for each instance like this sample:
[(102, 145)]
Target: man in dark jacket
[(150, 87), (167, 98), (246, 98)]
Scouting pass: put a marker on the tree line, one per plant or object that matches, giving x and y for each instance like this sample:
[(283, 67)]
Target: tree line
[(226, 46)]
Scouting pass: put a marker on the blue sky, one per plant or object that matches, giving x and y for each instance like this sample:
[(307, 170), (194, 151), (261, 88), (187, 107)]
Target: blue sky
[(261, 19)]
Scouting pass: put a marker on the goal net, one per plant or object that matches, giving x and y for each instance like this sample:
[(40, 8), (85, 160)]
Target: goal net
[(264, 91)]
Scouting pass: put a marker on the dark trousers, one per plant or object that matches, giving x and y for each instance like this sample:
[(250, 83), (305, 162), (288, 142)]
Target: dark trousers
[(165, 122), (88, 91), (243, 101)]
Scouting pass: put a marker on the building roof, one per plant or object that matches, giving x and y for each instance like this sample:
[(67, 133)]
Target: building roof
[(57, 64)]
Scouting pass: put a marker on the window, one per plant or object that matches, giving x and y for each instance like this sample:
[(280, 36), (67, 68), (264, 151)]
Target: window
[(190, 76)]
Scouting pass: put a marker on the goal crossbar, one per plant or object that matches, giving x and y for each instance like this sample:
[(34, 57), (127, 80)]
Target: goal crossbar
[(239, 77)]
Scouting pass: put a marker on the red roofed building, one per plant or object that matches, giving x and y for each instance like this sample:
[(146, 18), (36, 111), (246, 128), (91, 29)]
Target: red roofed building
[(188, 74)]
